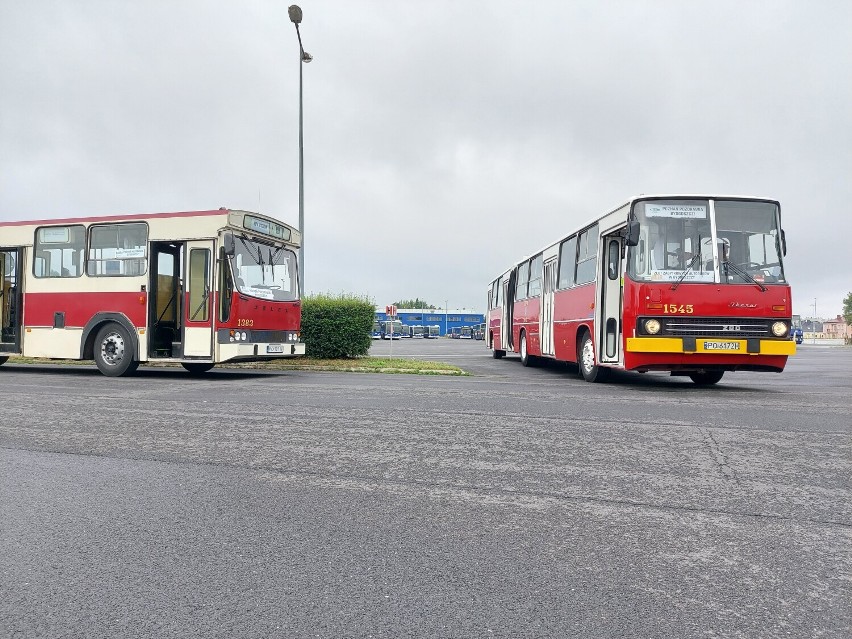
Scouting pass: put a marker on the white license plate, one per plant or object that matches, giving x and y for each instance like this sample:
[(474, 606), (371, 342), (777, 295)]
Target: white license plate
[(275, 348), (721, 346)]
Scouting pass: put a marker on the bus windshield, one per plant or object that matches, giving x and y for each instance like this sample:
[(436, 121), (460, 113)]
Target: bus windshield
[(264, 271), (677, 242)]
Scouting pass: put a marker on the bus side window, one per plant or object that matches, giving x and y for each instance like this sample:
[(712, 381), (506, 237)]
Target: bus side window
[(567, 255), (523, 279), (587, 255), (535, 277), (58, 251)]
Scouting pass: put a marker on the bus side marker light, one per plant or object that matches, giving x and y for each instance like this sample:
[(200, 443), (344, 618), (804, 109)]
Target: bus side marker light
[(780, 308), (655, 306)]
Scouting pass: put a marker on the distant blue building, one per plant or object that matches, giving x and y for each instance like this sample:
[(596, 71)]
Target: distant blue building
[(444, 319)]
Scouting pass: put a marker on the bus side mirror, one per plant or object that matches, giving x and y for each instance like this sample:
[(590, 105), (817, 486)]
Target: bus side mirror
[(783, 243), (632, 235), (229, 249)]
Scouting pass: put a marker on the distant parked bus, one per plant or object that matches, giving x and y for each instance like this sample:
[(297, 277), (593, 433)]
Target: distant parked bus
[(195, 288), (393, 329), (692, 285), (378, 330)]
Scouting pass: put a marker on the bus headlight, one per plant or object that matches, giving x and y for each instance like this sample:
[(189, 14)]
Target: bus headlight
[(779, 329), (652, 326)]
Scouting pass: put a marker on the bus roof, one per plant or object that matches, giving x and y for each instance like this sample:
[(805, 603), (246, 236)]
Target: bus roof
[(641, 196), (114, 218), (181, 224)]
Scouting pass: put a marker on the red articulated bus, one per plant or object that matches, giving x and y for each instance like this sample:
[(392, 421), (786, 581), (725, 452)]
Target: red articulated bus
[(693, 285), (195, 288)]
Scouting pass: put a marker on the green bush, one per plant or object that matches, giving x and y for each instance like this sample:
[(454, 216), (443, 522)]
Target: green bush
[(337, 327)]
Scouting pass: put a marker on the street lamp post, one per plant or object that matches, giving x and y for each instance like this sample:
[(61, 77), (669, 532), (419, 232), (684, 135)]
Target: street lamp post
[(813, 323), (295, 13)]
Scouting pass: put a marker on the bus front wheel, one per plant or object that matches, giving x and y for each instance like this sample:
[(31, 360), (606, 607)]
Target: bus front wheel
[(114, 351), (590, 371), (706, 378), (4, 359)]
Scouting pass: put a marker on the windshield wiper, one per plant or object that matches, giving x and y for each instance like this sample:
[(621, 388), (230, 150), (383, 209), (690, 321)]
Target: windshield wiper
[(695, 259), (743, 274), (259, 258)]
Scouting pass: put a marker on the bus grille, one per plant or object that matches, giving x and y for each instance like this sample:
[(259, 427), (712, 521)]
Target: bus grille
[(716, 326)]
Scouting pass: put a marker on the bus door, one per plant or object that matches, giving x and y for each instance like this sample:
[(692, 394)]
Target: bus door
[(546, 319), (10, 300), (610, 301), (198, 295), (165, 310), (506, 316)]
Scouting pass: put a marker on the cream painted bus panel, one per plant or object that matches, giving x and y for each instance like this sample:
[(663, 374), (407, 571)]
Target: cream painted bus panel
[(57, 343)]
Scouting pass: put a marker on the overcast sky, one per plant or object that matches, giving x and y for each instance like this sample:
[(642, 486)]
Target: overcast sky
[(443, 140)]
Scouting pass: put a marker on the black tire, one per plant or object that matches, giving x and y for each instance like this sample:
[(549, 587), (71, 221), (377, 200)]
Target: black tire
[(114, 351), (526, 360), (3, 359), (706, 378), (497, 353), (590, 371), (197, 368)]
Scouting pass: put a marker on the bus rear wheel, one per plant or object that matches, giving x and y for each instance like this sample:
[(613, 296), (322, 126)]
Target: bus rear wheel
[(197, 368), (588, 369), (706, 378), (4, 359), (114, 351)]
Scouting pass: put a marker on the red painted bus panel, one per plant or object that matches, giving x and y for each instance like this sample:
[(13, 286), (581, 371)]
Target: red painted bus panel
[(79, 308), (572, 308)]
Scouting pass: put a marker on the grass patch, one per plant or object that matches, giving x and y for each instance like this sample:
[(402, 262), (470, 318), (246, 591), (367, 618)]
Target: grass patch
[(358, 365), (385, 365)]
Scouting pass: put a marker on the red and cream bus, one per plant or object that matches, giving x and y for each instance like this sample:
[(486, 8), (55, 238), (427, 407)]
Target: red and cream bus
[(693, 285), (195, 288)]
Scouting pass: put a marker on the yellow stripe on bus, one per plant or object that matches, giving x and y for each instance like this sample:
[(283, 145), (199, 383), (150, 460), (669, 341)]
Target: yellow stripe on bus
[(675, 345)]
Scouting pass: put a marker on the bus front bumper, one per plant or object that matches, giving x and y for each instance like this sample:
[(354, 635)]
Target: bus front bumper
[(710, 346), (243, 351)]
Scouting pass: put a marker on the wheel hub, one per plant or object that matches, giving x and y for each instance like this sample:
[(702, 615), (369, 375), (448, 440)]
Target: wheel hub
[(112, 349)]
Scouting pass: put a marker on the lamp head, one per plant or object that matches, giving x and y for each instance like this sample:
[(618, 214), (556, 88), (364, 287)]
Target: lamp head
[(295, 13)]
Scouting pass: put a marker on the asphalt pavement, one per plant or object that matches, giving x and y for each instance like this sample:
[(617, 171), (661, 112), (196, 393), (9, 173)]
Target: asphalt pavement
[(517, 502)]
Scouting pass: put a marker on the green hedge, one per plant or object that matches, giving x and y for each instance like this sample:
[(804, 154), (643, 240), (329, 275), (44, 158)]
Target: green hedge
[(337, 327)]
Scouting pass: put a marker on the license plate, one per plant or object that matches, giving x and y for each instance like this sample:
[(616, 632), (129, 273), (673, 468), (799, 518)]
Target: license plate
[(274, 348), (721, 346)]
